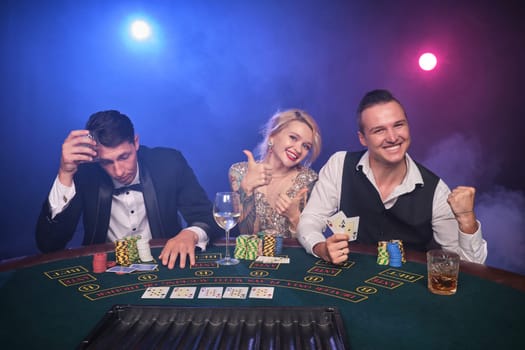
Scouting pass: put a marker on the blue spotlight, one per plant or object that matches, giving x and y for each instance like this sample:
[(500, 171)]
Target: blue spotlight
[(141, 34), (140, 30)]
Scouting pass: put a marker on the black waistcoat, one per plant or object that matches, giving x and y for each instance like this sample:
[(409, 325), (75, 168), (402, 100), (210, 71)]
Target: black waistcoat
[(410, 219)]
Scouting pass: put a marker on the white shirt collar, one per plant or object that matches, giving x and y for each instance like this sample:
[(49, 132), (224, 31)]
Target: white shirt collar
[(410, 181)]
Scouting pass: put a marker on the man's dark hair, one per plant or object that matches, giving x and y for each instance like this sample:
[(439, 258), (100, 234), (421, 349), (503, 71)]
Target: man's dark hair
[(111, 128), (372, 98)]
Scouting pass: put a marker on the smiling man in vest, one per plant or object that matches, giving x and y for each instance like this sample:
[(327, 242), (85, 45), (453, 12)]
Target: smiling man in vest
[(393, 196)]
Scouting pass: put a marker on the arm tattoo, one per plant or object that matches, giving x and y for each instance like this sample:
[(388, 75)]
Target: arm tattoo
[(248, 224)]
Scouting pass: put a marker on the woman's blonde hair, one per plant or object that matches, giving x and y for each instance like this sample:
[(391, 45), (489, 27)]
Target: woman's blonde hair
[(279, 120)]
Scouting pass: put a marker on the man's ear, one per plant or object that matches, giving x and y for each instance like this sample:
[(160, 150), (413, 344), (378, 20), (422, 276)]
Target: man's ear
[(362, 138), (136, 142)]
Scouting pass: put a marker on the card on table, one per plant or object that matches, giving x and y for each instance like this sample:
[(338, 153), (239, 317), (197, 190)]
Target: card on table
[(183, 292), (210, 293), (261, 292), (144, 267), (155, 293), (273, 259), (121, 269), (235, 293)]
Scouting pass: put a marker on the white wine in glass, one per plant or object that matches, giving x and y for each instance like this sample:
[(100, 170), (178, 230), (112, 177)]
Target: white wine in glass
[(226, 212)]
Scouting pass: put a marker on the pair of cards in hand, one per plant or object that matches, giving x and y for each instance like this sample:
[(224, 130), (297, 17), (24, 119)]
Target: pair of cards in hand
[(339, 223), (209, 292)]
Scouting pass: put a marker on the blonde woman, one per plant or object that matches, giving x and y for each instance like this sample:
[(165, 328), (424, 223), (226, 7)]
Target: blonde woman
[(274, 188)]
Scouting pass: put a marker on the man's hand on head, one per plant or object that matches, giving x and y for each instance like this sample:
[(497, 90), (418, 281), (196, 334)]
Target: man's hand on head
[(77, 148), (181, 246)]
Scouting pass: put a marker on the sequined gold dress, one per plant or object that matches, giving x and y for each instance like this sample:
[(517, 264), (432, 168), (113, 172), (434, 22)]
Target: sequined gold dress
[(267, 219)]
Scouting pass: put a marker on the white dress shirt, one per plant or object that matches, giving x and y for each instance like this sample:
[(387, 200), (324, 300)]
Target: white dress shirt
[(128, 212), (326, 196)]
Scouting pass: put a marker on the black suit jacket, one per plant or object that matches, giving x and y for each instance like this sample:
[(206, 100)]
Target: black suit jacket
[(169, 188)]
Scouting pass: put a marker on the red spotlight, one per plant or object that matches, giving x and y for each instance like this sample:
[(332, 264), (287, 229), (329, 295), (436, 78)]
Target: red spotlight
[(427, 61)]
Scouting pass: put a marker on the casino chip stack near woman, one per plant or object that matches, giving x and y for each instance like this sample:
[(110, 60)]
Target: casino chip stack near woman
[(274, 188)]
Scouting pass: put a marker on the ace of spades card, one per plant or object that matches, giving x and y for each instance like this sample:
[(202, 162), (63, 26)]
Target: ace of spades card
[(339, 223)]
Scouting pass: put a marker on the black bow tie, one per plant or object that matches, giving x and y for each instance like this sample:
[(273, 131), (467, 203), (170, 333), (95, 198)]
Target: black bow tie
[(124, 189)]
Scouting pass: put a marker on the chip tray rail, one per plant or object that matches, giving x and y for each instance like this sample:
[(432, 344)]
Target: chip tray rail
[(165, 327)]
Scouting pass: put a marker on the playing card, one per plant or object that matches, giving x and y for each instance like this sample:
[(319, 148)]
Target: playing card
[(235, 292), (334, 222), (261, 292), (183, 292), (121, 269), (210, 293), (273, 259), (351, 226), (339, 223), (144, 267), (155, 293)]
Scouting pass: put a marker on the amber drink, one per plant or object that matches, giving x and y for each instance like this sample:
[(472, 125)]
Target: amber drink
[(443, 270)]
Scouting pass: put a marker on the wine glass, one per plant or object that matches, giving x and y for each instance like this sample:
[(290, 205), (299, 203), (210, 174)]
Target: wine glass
[(226, 212)]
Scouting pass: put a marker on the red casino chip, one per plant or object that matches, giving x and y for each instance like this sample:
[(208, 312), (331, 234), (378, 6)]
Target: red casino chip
[(99, 262)]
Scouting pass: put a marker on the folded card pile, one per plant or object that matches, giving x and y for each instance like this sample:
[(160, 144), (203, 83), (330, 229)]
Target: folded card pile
[(339, 223)]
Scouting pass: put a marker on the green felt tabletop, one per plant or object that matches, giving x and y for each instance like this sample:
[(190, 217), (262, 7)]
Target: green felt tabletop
[(55, 305)]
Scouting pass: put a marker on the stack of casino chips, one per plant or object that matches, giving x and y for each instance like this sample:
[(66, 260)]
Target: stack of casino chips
[(100, 261), (400, 244), (144, 250), (246, 247), (394, 253), (269, 245), (133, 252), (252, 247), (260, 242), (240, 247), (278, 244), (382, 253), (121, 252)]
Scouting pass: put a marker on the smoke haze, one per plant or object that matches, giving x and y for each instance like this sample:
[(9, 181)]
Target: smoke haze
[(458, 161)]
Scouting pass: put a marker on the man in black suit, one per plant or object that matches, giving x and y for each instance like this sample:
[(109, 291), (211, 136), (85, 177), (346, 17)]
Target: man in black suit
[(122, 189)]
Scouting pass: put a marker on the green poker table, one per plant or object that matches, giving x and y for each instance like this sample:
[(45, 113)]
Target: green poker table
[(55, 301)]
